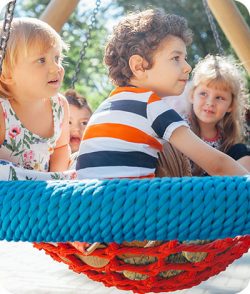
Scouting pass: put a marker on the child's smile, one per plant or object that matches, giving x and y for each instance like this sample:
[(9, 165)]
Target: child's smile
[(210, 104)]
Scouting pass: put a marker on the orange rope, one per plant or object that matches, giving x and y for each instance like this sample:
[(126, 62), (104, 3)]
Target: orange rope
[(220, 253)]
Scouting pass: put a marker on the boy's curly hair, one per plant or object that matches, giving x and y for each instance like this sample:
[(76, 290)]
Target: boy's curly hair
[(141, 33)]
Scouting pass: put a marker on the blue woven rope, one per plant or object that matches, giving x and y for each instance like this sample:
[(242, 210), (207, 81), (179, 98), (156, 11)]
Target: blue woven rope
[(118, 210)]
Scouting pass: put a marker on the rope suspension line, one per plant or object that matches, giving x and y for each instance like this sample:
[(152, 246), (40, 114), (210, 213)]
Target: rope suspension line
[(213, 28), (6, 29), (85, 44)]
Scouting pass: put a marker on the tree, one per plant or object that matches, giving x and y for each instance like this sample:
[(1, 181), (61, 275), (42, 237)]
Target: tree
[(93, 81), (194, 12)]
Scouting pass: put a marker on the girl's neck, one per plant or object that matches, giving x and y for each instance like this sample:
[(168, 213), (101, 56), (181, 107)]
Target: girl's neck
[(208, 131), (24, 100)]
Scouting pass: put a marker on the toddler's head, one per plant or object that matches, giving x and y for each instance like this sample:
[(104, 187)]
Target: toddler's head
[(222, 73), (80, 113), (141, 34), (26, 34)]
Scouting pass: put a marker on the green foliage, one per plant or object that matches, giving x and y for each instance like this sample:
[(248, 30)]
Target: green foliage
[(194, 12), (93, 82)]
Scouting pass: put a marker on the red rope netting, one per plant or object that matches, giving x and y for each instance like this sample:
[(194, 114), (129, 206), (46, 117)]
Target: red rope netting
[(166, 267)]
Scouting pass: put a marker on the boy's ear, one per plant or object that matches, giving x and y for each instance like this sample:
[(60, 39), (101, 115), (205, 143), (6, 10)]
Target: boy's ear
[(137, 65)]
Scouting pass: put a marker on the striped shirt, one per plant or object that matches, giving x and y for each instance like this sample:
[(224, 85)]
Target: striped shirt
[(125, 134)]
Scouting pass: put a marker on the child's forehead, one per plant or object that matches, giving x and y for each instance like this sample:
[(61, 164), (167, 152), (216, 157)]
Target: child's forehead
[(173, 44), (77, 112), (39, 49), (218, 84)]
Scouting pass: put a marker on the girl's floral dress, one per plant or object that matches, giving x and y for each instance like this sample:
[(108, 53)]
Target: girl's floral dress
[(25, 155)]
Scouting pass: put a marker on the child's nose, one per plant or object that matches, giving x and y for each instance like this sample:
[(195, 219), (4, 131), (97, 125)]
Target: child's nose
[(187, 67), (55, 67), (210, 101)]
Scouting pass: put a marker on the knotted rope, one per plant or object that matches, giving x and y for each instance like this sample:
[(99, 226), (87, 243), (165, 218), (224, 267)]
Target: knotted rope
[(117, 210)]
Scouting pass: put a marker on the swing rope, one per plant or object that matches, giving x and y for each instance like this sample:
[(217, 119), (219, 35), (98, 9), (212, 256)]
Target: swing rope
[(85, 44), (213, 28), (6, 30)]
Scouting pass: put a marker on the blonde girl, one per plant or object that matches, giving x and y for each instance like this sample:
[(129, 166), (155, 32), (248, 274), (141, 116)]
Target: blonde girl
[(34, 129), (218, 106)]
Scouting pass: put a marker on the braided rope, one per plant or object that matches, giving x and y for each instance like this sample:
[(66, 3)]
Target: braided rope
[(118, 210)]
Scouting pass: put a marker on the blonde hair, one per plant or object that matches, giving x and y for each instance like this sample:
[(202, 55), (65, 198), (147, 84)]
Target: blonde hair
[(26, 33), (222, 72)]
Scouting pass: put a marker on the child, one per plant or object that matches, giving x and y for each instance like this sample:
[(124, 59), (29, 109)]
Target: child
[(146, 58), (79, 115), (218, 105), (34, 129), (216, 114)]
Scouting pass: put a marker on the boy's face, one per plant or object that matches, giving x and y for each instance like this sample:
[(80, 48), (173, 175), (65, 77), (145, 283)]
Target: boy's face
[(78, 120), (170, 71), (38, 75)]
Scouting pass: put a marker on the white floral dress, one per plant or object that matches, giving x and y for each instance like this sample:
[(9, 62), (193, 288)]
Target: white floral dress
[(25, 155)]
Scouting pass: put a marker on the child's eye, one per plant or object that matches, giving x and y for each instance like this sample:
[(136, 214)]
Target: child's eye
[(220, 98), (84, 123), (70, 123), (203, 93), (41, 60), (176, 58)]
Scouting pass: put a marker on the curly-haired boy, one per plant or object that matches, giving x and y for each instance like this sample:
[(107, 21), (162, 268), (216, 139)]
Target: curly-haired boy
[(146, 59)]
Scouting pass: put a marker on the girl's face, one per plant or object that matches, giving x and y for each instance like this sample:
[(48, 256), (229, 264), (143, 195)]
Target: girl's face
[(210, 104), (78, 120), (37, 75)]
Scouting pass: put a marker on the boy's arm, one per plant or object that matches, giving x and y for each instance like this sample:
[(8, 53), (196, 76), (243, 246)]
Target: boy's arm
[(208, 158), (59, 160), (245, 162)]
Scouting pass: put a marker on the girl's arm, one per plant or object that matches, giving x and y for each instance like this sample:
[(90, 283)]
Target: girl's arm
[(59, 160), (208, 158)]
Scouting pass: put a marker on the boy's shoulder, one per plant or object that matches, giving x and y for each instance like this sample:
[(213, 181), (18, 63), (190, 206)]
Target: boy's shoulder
[(133, 93)]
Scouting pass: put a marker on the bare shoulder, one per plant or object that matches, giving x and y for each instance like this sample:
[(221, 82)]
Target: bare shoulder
[(63, 99)]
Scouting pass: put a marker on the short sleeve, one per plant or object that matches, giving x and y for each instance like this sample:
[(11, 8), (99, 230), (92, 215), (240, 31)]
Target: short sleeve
[(163, 120)]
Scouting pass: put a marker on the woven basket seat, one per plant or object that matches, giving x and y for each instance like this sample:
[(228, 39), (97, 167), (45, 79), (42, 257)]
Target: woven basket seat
[(113, 264)]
